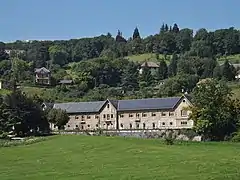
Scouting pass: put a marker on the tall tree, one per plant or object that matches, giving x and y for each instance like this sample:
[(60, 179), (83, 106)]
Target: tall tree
[(136, 34), (146, 75), (217, 74), (175, 28), (172, 68), (162, 70), (166, 28), (211, 110), (228, 71), (129, 77)]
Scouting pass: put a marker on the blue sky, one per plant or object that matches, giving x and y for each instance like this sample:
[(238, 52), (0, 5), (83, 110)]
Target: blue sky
[(65, 19)]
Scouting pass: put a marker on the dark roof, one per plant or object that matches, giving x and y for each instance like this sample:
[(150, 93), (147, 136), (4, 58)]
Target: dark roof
[(145, 104), (121, 105), (114, 103), (66, 81), (42, 70), (80, 107)]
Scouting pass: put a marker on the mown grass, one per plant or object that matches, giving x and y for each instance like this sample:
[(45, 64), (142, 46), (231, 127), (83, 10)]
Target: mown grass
[(87, 157), (147, 57), (235, 59)]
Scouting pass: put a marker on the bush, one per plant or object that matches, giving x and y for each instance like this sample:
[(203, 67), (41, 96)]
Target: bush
[(169, 139), (236, 137)]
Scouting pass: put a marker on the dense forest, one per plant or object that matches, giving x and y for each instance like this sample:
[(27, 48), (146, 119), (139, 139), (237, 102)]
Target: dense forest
[(100, 69)]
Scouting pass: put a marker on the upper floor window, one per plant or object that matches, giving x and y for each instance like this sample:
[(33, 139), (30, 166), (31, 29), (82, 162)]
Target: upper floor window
[(104, 116), (121, 115), (82, 116), (76, 117), (107, 105), (183, 113), (111, 115), (153, 114), (164, 114), (108, 116), (96, 116), (88, 117), (163, 123), (171, 123), (137, 115), (130, 115), (171, 113), (144, 115), (121, 125)]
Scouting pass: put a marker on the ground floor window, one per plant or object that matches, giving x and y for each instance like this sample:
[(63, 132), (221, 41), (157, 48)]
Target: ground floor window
[(153, 125), (144, 125)]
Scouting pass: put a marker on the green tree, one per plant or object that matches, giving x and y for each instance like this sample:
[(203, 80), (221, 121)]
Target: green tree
[(212, 110), (172, 68), (175, 28), (129, 77), (58, 55), (228, 71), (162, 72), (136, 34), (217, 74), (58, 117), (146, 76)]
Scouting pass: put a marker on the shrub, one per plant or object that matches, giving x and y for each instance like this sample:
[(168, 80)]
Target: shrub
[(169, 138), (236, 137)]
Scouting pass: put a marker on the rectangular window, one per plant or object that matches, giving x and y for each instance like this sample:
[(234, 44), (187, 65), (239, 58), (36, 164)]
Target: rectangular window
[(88, 117), (144, 125), (104, 116), (171, 123), (96, 116), (163, 123), (144, 115), (121, 115), (171, 113), (138, 115), (164, 114), (153, 114), (82, 116), (111, 115), (108, 116), (130, 115), (130, 126), (108, 106), (183, 113), (154, 125), (121, 125), (76, 117), (183, 122), (137, 126)]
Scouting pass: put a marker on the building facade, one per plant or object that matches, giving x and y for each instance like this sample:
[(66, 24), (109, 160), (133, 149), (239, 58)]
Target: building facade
[(154, 113), (42, 76)]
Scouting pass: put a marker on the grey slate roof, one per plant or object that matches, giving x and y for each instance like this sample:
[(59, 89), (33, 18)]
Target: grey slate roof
[(80, 107), (145, 104), (120, 105), (43, 69)]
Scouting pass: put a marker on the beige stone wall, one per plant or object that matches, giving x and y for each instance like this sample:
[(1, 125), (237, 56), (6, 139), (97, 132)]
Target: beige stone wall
[(83, 122), (108, 117), (161, 119), (151, 119)]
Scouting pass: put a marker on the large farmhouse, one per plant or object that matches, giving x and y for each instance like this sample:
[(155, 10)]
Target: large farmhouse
[(154, 113)]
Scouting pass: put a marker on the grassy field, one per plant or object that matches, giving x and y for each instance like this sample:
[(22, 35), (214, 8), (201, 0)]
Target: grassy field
[(152, 57), (147, 57), (89, 157)]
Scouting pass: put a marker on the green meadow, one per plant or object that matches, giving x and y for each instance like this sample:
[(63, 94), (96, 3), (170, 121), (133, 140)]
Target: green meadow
[(69, 157)]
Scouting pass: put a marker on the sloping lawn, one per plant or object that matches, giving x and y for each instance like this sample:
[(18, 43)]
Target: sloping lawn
[(113, 158)]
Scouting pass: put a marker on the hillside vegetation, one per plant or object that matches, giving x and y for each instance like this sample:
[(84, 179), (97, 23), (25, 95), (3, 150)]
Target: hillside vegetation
[(85, 157)]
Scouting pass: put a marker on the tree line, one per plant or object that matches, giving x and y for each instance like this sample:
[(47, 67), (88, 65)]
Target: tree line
[(169, 40)]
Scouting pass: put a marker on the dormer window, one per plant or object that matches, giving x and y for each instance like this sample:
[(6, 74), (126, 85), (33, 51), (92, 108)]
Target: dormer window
[(108, 106)]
